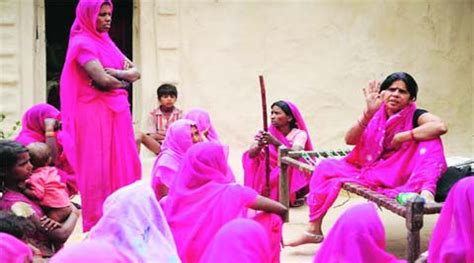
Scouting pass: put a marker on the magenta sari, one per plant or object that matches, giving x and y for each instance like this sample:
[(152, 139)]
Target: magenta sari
[(89, 251), (415, 166), (254, 168), (97, 123), (203, 121), (203, 199), (33, 130), (239, 241), (14, 250), (453, 236), (177, 141), (358, 236)]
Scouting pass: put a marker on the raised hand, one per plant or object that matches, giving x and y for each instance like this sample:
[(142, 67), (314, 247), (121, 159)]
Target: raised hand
[(51, 124), (373, 98)]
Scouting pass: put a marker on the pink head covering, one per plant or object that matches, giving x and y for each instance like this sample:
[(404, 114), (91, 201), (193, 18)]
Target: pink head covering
[(453, 235), (177, 142), (203, 199), (239, 241), (75, 84), (358, 236), (33, 129), (89, 251), (203, 121), (134, 223), (14, 250)]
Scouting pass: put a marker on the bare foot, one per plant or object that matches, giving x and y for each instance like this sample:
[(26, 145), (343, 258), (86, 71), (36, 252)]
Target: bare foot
[(306, 238)]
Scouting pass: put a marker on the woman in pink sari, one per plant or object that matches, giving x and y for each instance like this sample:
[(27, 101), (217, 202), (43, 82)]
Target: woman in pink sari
[(398, 149), (204, 198), (204, 124), (358, 236), (453, 236), (239, 241), (288, 128), (41, 123), (181, 135), (95, 110)]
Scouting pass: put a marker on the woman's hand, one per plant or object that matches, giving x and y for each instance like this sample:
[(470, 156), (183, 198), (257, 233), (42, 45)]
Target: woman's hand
[(51, 125), (373, 98), (49, 224), (265, 138)]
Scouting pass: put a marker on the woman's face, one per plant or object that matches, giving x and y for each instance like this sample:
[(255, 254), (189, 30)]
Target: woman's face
[(279, 117), (195, 134), (104, 19), (23, 168), (397, 96)]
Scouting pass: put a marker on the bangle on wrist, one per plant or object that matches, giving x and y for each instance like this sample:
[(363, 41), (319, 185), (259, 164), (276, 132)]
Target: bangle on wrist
[(119, 74), (50, 134), (412, 136)]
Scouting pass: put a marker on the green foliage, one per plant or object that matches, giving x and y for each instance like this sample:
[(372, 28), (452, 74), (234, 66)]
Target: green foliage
[(7, 133)]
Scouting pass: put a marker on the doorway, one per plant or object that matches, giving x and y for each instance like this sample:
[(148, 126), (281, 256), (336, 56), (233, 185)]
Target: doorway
[(59, 16)]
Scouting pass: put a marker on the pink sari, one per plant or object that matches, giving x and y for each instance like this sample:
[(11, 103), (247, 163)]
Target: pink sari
[(357, 236), (453, 236), (415, 166), (254, 168), (98, 124), (89, 251), (177, 141), (33, 130), (239, 241), (203, 199), (203, 121), (14, 250)]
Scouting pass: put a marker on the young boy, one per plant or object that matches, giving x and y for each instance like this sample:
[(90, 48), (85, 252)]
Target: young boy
[(160, 119), (45, 186)]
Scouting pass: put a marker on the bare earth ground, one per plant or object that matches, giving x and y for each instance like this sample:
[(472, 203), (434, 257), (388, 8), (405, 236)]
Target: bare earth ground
[(395, 229)]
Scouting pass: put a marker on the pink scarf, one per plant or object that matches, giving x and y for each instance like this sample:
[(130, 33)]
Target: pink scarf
[(203, 121), (203, 199), (134, 223), (413, 167), (358, 236), (254, 168), (89, 251), (453, 236), (14, 250), (99, 124), (239, 241), (177, 142), (32, 129)]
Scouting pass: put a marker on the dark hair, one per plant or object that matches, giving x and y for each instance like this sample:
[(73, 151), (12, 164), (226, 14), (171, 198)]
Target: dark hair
[(39, 154), (410, 82), (167, 89), (9, 152), (16, 226), (286, 109)]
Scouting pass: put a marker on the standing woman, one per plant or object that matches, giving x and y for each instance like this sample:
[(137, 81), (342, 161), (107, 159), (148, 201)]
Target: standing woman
[(95, 109), (288, 128)]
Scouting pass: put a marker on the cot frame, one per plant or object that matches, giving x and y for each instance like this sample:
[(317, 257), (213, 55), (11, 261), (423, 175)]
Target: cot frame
[(413, 212)]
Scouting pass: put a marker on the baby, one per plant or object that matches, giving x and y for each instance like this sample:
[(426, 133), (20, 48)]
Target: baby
[(45, 186)]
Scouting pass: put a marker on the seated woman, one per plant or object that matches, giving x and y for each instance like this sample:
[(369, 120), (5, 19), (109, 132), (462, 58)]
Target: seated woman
[(398, 149), (288, 128), (41, 123), (204, 198), (453, 236), (358, 236), (241, 240), (203, 120), (14, 170), (135, 225), (181, 135)]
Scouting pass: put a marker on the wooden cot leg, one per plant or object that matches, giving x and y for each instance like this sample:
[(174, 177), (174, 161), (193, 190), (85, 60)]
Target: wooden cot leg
[(414, 222), (283, 182)]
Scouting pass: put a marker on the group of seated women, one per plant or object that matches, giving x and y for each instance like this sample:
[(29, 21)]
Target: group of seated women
[(195, 211)]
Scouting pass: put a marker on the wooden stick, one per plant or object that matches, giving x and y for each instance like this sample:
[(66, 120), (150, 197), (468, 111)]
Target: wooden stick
[(266, 191)]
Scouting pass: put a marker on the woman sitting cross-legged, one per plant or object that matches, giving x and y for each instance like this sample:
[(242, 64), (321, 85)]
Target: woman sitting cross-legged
[(204, 197), (397, 149)]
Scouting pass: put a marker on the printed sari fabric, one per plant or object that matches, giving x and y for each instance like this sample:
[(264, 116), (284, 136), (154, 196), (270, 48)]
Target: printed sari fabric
[(98, 124), (33, 130), (254, 168), (204, 197), (358, 236), (415, 166), (453, 236)]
